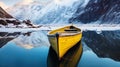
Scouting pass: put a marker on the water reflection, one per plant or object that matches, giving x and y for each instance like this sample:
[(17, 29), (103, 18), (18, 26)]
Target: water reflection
[(102, 45), (70, 59), (106, 44), (12, 55), (5, 37), (32, 40), (3, 41)]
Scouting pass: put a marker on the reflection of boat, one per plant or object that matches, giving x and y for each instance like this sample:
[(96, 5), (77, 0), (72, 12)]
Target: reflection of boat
[(63, 39), (70, 59)]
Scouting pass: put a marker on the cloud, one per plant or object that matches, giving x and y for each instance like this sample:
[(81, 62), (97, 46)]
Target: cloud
[(3, 5)]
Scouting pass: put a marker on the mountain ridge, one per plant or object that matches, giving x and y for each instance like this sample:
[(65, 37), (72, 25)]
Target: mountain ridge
[(4, 14)]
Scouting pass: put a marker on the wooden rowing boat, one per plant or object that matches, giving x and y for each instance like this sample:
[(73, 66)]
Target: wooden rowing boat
[(63, 39)]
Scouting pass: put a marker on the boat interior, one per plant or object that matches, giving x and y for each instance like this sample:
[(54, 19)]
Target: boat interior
[(68, 30)]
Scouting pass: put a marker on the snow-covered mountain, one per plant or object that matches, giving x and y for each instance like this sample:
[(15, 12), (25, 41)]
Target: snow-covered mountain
[(62, 11), (4, 14), (25, 11), (6, 22), (105, 11), (53, 11)]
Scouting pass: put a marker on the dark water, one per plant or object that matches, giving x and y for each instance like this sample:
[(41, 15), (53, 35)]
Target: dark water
[(12, 55)]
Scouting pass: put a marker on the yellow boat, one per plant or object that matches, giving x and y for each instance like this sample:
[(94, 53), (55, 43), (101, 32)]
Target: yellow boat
[(70, 59), (63, 39)]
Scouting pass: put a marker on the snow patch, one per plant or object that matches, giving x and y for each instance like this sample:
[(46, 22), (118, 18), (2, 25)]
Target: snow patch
[(65, 2)]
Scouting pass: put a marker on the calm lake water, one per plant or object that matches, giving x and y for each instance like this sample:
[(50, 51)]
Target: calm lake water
[(12, 55)]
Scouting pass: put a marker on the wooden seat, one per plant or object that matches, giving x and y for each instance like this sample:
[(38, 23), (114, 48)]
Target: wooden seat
[(70, 30)]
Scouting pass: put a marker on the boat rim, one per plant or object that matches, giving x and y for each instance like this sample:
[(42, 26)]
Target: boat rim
[(64, 35)]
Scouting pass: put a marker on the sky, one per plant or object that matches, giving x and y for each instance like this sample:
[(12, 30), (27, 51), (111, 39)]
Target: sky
[(7, 3)]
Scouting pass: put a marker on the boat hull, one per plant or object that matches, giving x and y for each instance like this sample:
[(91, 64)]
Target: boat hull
[(67, 42), (62, 43)]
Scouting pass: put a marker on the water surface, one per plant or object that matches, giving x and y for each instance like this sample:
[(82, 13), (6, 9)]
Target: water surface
[(12, 55)]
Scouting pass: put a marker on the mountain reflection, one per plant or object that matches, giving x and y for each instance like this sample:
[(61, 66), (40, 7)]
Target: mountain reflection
[(30, 40), (70, 59), (105, 44), (5, 37), (4, 41)]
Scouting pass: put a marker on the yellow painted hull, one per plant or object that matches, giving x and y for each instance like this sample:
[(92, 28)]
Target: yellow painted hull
[(66, 42), (62, 43)]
